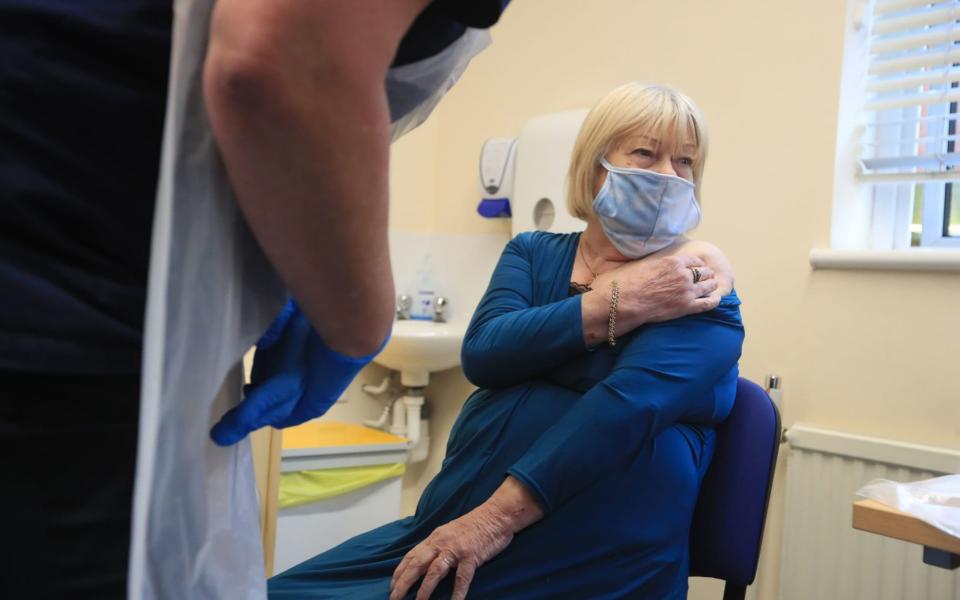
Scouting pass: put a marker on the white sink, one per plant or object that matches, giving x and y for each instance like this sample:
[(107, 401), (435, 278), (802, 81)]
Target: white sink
[(418, 348)]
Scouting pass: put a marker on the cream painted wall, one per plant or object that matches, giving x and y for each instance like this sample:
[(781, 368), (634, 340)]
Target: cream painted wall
[(413, 177), (868, 352)]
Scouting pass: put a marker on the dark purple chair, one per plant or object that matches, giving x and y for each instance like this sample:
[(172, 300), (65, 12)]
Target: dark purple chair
[(732, 505)]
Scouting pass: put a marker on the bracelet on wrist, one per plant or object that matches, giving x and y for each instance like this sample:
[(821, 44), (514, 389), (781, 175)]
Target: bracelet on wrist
[(612, 318)]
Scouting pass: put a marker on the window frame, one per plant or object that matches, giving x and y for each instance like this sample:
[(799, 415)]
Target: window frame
[(870, 220)]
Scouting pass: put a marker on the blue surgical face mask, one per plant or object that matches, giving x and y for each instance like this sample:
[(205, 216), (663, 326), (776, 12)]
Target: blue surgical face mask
[(643, 211)]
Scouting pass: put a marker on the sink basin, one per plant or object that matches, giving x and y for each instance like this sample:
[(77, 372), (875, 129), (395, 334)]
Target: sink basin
[(417, 348)]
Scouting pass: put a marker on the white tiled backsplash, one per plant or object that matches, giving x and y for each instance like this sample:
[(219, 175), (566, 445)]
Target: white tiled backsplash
[(462, 264)]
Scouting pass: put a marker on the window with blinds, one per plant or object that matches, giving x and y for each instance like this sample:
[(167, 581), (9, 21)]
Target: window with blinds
[(910, 147)]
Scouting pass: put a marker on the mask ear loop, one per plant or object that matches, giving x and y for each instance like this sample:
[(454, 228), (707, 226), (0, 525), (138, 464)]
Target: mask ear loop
[(605, 186)]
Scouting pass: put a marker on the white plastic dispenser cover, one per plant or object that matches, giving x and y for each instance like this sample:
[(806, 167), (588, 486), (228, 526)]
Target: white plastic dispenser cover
[(542, 159)]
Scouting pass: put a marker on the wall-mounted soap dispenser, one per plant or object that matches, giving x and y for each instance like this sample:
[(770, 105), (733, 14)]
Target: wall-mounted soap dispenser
[(497, 160)]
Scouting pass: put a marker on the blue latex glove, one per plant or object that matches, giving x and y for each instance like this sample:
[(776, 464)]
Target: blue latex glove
[(295, 378)]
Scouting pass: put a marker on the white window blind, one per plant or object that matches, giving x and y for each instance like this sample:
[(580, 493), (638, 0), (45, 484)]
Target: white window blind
[(910, 148), (913, 81)]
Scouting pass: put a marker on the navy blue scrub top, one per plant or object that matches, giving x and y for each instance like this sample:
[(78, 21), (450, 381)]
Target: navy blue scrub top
[(82, 100)]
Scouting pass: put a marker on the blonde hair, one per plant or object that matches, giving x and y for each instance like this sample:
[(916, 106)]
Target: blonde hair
[(654, 109)]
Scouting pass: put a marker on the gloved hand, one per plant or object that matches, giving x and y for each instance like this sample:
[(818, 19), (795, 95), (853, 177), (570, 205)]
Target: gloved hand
[(295, 378)]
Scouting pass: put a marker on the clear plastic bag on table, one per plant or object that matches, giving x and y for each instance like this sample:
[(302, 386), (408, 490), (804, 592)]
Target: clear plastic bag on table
[(935, 501)]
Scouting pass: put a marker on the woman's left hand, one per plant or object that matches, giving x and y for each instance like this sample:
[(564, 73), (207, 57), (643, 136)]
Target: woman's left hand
[(461, 545)]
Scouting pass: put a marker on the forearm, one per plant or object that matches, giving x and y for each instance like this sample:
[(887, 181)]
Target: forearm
[(305, 139), (597, 308), (517, 345), (332, 255), (513, 506), (509, 339)]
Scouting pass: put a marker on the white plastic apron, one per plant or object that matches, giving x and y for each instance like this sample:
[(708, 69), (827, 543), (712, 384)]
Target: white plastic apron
[(212, 293)]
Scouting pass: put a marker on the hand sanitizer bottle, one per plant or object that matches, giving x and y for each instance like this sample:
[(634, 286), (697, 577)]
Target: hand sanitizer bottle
[(425, 294)]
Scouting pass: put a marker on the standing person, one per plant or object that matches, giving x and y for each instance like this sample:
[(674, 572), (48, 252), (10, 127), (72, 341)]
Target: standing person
[(82, 96)]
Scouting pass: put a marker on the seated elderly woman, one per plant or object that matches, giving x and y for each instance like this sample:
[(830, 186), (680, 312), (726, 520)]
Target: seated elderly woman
[(604, 359)]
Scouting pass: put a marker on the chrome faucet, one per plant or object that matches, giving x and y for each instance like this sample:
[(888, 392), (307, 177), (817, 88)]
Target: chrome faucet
[(404, 303), (439, 306)]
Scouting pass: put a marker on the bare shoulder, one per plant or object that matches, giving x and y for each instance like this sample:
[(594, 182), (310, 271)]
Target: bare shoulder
[(709, 254)]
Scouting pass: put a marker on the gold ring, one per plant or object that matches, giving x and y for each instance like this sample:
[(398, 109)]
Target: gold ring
[(696, 274)]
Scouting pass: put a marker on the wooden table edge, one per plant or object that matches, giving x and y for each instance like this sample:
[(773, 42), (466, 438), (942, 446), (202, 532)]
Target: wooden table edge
[(875, 517)]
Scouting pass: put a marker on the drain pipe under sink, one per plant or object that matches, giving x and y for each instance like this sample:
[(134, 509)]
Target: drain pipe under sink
[(406, 415)]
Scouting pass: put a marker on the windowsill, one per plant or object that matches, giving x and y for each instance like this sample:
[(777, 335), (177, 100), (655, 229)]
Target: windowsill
[(914, 259)]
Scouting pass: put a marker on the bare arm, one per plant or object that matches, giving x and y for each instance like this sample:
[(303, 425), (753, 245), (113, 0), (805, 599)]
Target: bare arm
[(296, 99)]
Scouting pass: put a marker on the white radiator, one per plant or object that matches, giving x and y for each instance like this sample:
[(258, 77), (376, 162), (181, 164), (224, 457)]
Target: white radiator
[(823, 557)]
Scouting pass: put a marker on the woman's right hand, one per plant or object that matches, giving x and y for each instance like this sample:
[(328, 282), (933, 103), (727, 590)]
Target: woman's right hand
[(662, 289), (651, 290)]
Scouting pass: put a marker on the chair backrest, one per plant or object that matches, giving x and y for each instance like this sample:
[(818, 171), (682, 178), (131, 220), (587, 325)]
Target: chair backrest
[(732, 505)]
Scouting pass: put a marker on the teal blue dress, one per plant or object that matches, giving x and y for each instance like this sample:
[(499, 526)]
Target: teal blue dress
[(613, 442)]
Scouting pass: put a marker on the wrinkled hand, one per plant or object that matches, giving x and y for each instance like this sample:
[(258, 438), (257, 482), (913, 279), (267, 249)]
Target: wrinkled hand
[(661, 289), (295, 378), (462, 545)]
